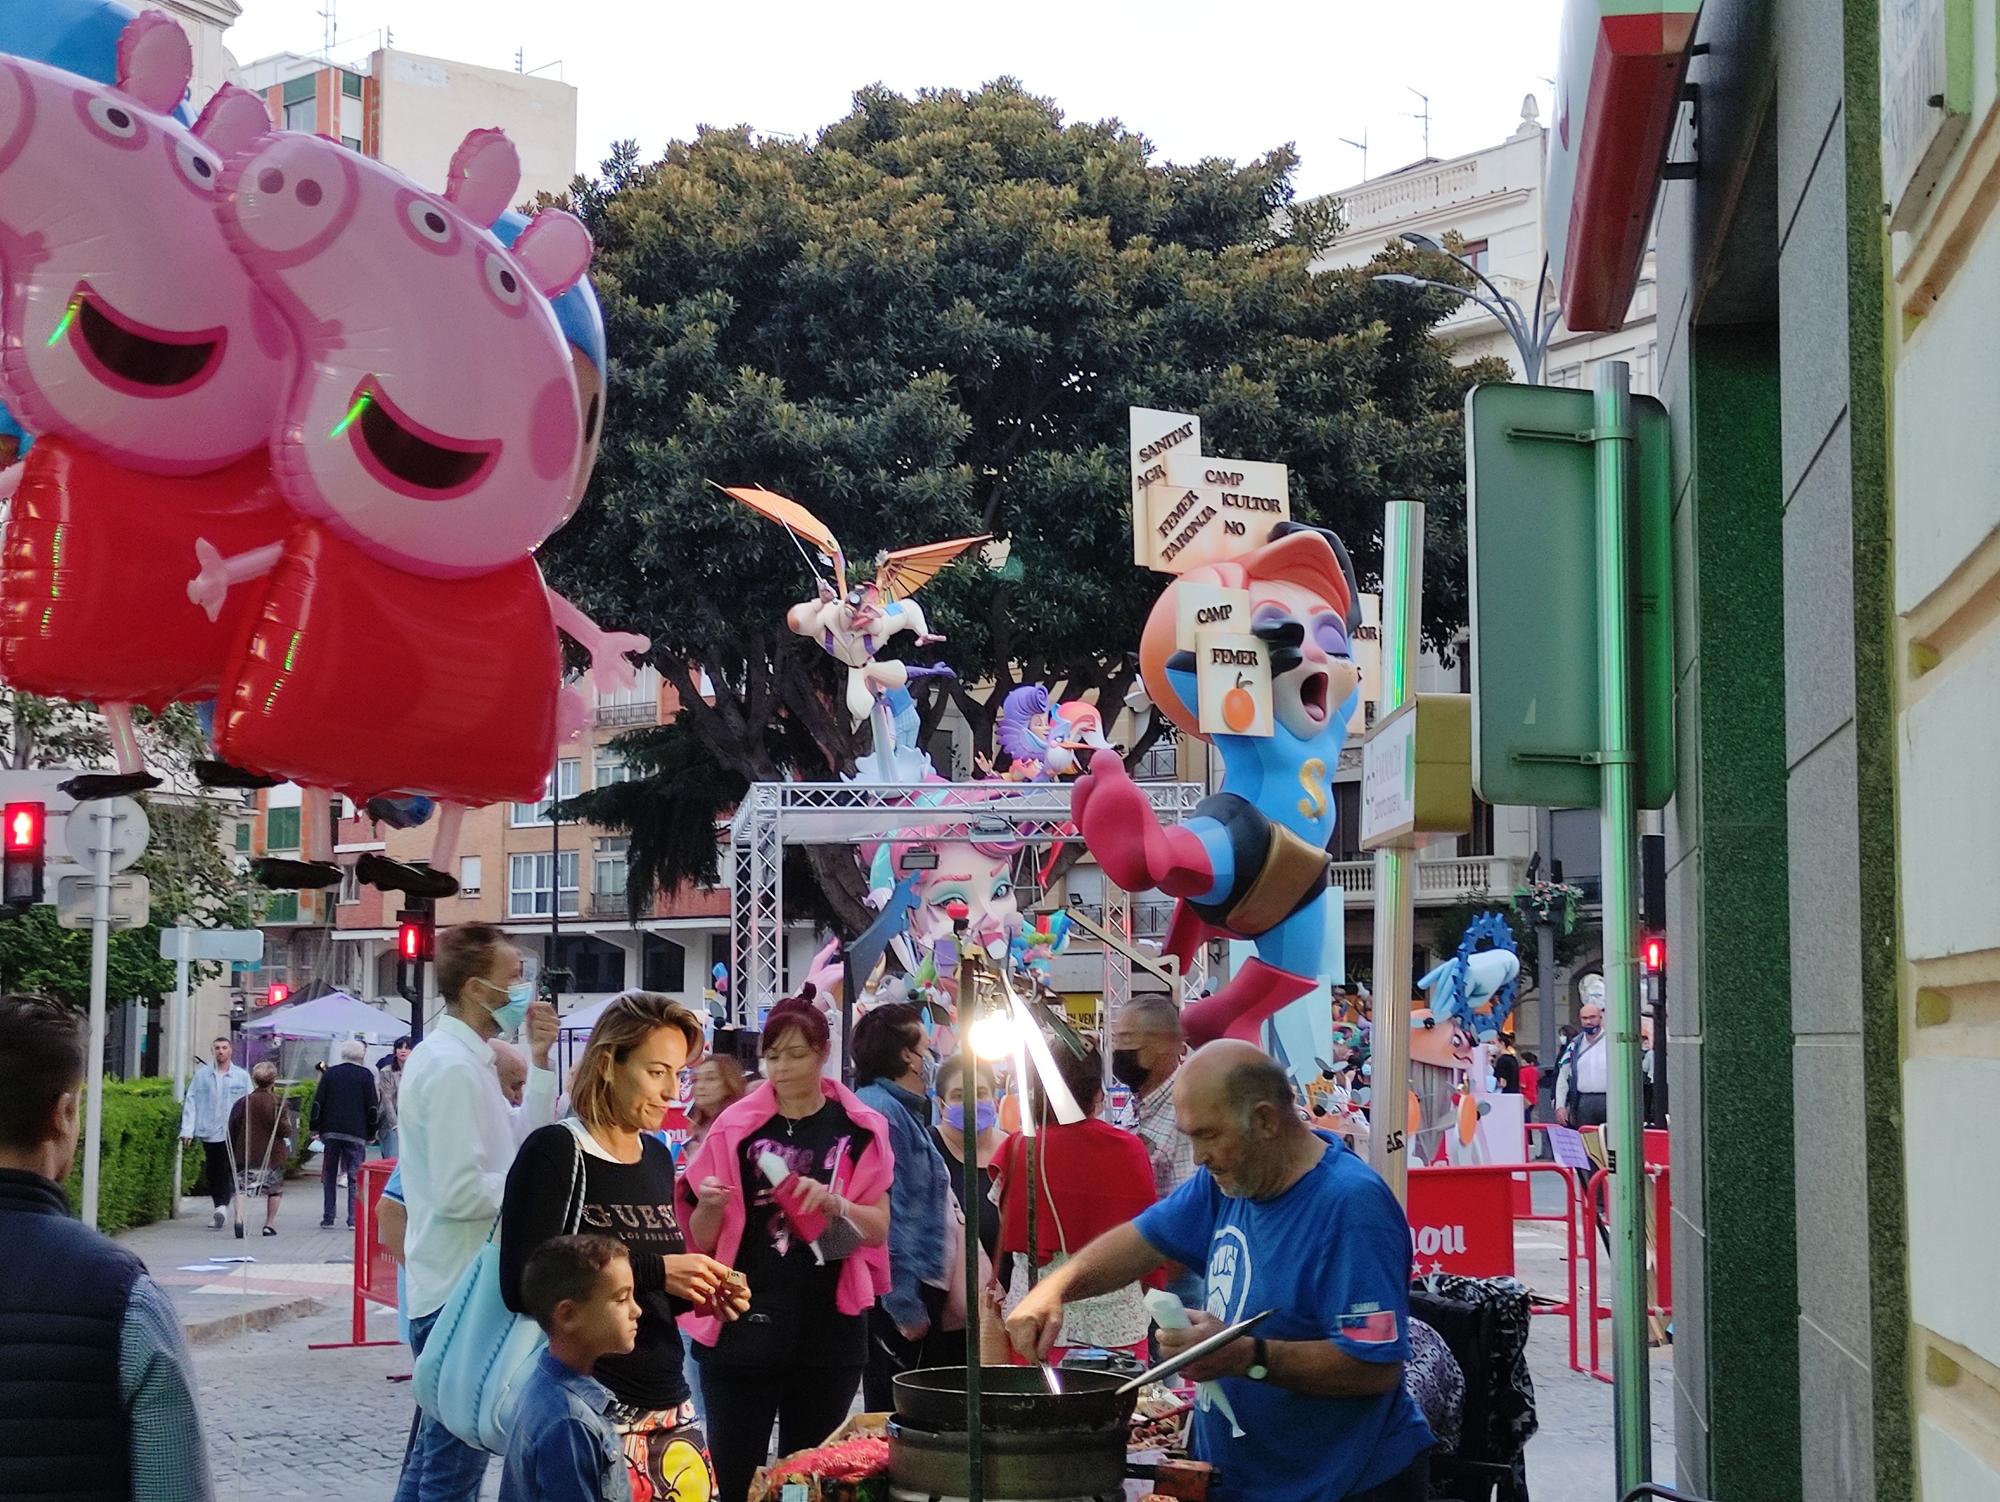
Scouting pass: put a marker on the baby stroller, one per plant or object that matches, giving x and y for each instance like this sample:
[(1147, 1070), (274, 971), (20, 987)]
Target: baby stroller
[(1484, 1321)]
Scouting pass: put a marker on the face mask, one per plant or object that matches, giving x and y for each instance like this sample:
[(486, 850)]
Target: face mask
[(510, 1017), (1592, 1029), (1126, 1068), (984, 1115)]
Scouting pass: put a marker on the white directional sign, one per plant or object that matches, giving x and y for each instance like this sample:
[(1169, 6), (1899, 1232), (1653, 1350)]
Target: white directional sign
[(129, 832), (131, 900), (244, 944)]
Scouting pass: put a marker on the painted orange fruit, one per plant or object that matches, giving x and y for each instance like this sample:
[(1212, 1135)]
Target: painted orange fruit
[(1239, 710)]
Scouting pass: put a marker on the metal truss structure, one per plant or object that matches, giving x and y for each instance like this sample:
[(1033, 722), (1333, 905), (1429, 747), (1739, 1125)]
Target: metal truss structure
[(775, 816)]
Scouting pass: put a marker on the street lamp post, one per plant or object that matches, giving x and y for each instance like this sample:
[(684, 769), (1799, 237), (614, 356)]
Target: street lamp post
[(1530, 330)]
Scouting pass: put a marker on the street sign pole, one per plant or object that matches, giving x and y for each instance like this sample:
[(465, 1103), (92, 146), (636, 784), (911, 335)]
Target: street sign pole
[(103, 815), (1619, 824), (1395, 892), (177, 1034)]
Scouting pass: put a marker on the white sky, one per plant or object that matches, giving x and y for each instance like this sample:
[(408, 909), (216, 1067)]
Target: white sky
[(1229, 78)]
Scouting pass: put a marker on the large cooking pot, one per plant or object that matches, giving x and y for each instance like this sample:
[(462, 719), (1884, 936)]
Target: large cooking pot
[(1015, 1398)]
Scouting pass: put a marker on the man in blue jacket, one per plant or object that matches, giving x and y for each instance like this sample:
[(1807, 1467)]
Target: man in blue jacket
[(96, 1394), (892, 1065)]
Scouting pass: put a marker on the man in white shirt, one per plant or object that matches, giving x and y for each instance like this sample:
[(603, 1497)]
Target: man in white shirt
[(205, 1119), (1585, 1076), (459, 1139)]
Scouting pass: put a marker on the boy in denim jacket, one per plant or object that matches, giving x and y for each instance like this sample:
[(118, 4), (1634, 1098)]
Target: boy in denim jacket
[(579, 1289)]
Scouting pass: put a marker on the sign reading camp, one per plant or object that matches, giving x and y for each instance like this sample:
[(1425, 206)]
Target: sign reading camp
[(1189, 508)]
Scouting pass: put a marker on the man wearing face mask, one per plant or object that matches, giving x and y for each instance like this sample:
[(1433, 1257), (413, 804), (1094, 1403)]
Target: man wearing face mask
[(893, 1070), (1584, 1077), (1146, 1049), (459, 1139)]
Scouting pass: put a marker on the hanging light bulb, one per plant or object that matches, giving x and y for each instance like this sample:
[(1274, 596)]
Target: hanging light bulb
[(992, 1035)]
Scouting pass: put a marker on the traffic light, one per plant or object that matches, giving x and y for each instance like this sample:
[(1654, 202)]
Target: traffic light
[(1653, 953), (416, 936), (416, 945), (26, 845), (278, 995)]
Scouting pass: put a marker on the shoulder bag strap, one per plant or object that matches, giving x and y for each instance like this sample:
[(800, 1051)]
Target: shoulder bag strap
[(576, 1186)]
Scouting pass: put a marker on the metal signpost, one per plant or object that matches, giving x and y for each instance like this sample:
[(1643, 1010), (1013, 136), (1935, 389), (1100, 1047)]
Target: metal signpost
[(184, 946), (1395, 890), (1568, 505), (107, 835)]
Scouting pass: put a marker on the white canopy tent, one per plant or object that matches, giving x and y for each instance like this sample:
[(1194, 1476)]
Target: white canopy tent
[(334, 1015)]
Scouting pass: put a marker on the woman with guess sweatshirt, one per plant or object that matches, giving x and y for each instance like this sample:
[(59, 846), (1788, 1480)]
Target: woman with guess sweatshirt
[(795, 1357), (603, 1172)]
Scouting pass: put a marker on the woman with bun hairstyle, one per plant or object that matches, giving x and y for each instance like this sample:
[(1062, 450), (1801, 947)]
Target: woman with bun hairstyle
[(795, 1357)]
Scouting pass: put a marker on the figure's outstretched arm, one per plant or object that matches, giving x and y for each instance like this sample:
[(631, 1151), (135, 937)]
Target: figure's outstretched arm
[(608, 661), (211, 585)]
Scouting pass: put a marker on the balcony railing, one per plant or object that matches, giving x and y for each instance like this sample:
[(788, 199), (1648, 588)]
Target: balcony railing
[(609, 905), (1451, 878), (640, 712)]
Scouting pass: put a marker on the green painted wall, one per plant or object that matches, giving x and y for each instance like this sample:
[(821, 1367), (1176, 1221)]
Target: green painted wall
[(1736, 1364)]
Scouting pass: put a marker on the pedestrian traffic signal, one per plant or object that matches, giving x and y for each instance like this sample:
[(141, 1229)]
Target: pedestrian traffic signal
[(416, 935), (25, 833), (278, 995), (1653, 953)]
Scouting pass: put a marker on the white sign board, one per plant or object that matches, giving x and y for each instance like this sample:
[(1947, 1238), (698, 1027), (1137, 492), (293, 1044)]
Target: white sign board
[(1233, 684), (131, 901), (242, 944), (1188, 508), (129, 832), (1366, 650), (1389, 780)]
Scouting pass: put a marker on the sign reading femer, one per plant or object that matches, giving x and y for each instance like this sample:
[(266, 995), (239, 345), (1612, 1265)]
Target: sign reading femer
[(1189, 508)]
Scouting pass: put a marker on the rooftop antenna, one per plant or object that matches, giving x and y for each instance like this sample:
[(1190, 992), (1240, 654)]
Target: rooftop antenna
[(520, 60), (1360, 146), (1424, 115), (332, 29)]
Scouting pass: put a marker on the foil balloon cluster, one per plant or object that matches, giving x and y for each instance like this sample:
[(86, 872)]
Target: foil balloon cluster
[(300, 424)]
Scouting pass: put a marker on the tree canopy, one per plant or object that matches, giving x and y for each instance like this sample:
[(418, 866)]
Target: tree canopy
[(930, 321)]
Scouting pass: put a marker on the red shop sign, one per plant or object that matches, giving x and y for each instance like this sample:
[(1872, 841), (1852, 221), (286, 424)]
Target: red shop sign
[(1462, 1220)]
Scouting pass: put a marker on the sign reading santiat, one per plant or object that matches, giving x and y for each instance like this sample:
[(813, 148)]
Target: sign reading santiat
[(1189, 508)]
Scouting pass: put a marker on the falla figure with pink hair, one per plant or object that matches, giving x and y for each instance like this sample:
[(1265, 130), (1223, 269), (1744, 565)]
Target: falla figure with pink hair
[(429, 439), (147, 365)]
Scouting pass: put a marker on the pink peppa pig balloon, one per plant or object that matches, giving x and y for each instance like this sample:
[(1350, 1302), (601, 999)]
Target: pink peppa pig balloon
[(148, 366), (429, 440)]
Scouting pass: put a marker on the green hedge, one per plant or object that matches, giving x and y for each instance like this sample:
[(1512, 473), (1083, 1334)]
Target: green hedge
[(142, 1125)]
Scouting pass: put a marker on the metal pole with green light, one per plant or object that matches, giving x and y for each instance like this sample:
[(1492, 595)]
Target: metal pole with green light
[(1619, 805), (1395, 891)]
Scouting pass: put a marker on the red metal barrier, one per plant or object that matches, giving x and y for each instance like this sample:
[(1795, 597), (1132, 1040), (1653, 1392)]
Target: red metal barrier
[(374, 1268), (1661, 1304), (1462, 1221)]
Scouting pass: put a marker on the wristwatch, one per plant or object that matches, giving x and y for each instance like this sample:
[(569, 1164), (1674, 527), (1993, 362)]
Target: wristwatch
[(1260, 1364)]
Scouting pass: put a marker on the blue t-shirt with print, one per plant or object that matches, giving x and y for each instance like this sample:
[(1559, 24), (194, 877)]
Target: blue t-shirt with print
[(1330, 1257)]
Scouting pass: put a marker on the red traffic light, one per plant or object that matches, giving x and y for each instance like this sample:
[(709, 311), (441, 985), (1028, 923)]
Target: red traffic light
[(279, 994), (1653, 954), (410, 941), (25, 823)]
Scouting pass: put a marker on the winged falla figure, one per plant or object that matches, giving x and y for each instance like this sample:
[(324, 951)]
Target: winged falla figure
[(853, 622)]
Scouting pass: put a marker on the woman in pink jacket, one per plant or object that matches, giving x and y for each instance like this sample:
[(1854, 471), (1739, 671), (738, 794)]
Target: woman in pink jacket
[(796, 1356)]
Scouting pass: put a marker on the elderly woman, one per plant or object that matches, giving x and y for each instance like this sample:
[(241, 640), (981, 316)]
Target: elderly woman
[(603, 1172), (262, 1127), (796, 1357)]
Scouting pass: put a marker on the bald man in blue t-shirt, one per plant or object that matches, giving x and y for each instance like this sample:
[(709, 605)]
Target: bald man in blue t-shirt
[(1290, 1220)]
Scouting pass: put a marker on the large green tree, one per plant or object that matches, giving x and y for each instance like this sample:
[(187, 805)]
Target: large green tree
[(928, 321)]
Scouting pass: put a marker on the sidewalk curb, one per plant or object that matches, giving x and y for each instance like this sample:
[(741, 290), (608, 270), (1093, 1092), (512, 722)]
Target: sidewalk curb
[(222, 1327)]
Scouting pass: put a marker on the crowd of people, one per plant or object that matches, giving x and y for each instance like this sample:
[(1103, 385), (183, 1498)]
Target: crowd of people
[(805, 1245)]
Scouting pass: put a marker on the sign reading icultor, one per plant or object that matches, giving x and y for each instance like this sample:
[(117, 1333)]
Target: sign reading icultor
[(1189, 508)]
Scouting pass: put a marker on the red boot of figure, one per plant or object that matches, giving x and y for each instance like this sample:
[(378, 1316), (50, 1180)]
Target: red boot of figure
[(1241, 1008)]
